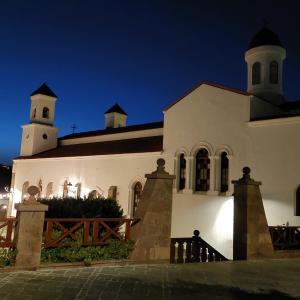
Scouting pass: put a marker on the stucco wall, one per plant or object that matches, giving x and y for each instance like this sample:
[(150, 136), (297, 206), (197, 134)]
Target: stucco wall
[(92, 172), (216, 118)]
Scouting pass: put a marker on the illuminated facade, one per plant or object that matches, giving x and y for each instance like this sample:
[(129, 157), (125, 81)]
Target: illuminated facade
[(207, 137)]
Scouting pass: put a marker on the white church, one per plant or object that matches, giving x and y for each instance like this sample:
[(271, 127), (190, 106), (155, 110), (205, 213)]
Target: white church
[(207, 137)]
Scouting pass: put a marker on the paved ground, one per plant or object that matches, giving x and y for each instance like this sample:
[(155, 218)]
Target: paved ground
[(276, 279)]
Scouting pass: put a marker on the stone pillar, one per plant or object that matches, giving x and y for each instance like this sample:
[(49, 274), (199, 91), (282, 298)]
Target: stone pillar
[(251, 236), (29, 231), (153, 231)]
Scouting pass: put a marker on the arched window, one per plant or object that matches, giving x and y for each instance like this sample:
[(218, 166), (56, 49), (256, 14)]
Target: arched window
[(256, 73), (34, 113), (65, 189), (112, 192), (49, 189), (46, 113), (182, 171), (298, 201), (24, 191), (274, 72), (137, 192), (78, 189), (94, 194), (202, 170), (40, 186), (224, 172)]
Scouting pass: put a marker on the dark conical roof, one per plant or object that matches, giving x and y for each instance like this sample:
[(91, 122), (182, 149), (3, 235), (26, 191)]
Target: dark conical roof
[(116, 108), (44, 90), (265, 37)]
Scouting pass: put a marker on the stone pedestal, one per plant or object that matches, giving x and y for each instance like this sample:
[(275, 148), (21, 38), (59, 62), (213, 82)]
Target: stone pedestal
[(153, 230), (29, 231), (251, 236)]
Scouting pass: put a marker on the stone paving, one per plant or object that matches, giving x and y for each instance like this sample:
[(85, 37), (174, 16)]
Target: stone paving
[(272, 279)]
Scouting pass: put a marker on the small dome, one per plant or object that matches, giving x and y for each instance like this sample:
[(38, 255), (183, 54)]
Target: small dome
[(265, 37)]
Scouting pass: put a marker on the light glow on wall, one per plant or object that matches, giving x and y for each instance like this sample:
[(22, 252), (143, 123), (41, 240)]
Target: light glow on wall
[(223, 226)]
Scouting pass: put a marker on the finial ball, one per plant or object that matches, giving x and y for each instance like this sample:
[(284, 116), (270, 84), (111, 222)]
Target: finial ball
[(160, 162), (196, 232), (33, 190), (246, 170)]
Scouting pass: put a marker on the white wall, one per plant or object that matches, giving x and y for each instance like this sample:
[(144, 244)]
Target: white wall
[(217, 118), (92, 172)]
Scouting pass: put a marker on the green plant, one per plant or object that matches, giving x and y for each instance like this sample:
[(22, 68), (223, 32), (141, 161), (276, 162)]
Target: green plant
[(87, 261), (7, 257), (82, 208), (76, 253)]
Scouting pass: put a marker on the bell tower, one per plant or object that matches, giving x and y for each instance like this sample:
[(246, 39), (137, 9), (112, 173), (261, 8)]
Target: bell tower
[(115, 117), (264, 57), (40, 134)]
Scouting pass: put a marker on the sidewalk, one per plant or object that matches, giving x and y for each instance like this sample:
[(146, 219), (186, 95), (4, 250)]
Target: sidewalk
[(270, 279)]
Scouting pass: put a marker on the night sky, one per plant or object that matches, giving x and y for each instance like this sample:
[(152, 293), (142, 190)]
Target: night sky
[(141, 54)]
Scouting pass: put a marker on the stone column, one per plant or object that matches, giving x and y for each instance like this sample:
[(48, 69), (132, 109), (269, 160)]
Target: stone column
[(251, 236), (29, 231), (153, 231)]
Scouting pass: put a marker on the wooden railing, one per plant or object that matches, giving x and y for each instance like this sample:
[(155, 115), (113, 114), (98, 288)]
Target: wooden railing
[(7, 227), (285, 237), (88, 232), (194, 249)]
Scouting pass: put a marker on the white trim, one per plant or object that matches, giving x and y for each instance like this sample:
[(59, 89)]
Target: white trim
[(279, 121), (201, 145), (156, 153), (112, 137)]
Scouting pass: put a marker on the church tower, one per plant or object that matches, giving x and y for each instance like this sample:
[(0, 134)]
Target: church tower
[(115, 117), (40, 135), (264, 58)]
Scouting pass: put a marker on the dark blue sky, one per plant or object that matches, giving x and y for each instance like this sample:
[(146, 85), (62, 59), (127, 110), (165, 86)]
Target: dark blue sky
[(141, 54)]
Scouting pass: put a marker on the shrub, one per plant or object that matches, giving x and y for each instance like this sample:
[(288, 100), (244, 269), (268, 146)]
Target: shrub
[(82, 208), (7, 257), (76, 253)]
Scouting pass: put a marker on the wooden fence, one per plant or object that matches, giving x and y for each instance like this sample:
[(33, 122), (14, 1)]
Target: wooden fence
[(88, 232), (193, 249), (7, 226)]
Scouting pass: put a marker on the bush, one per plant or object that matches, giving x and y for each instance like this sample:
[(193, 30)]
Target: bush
[(7, 257), (76, 253), (82, 208)]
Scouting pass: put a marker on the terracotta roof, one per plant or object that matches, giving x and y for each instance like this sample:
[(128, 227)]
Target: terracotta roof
[(220, 86), (44, 90), (139, 145), (153, 125), (116, 108)]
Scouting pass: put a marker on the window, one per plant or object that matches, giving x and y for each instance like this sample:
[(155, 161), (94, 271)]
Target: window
[(112, 192), (49, 190), (45, 136), (202, 170), (94, 194), (24, 191), (256, 73), (34, 113), (274, 72), (46, 113), (137, 192), (78, 189), (224, 172), (298, 202), (182, 171), (65, 189)]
